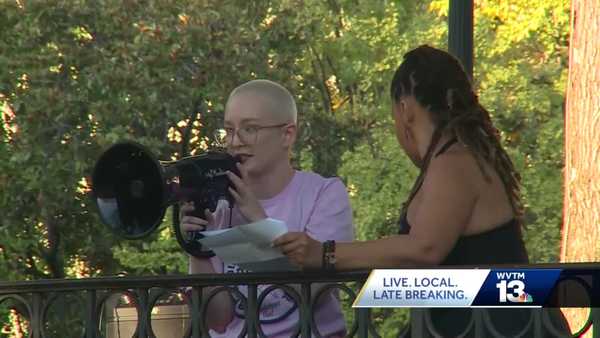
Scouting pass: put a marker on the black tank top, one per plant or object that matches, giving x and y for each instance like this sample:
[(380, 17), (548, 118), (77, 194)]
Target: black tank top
[(500, 245)]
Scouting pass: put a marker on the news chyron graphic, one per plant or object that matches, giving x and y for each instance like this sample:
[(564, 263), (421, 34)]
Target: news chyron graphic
[(457, 288), (517, 287)]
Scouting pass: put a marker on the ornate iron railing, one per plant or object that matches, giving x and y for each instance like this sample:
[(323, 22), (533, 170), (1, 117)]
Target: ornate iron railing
[(35, 301)]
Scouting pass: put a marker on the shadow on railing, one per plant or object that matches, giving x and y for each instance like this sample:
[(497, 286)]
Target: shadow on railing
[(157, 306)]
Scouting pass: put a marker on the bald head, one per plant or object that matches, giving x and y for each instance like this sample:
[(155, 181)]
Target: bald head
[(278, 101)]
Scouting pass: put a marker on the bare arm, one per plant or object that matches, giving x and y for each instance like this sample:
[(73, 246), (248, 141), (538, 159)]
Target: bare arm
[(331, 219), (448, 198)]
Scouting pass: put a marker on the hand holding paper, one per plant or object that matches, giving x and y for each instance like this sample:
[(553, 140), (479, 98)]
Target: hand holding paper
[(249, 246)]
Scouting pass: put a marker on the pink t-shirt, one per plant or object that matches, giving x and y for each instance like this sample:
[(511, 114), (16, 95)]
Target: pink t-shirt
[(312, 204)]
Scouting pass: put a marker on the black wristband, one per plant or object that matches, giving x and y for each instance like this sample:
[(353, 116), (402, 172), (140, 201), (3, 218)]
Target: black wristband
[(329, 255)]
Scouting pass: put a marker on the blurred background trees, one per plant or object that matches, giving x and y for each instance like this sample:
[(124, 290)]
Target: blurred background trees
[(77, 76)]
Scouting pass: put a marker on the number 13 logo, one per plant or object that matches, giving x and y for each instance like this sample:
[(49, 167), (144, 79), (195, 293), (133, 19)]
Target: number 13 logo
[(512, 291)]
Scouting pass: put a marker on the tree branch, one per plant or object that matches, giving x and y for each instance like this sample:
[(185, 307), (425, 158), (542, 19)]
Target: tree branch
[(324, 90)]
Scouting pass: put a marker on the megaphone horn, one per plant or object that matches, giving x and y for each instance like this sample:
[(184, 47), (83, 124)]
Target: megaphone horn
[(132, 189)]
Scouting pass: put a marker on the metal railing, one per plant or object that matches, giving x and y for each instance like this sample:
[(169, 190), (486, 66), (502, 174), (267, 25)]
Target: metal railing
[(35, 300)]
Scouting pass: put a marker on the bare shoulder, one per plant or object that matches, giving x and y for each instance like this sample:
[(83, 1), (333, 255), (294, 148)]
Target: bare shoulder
[(456, 167)]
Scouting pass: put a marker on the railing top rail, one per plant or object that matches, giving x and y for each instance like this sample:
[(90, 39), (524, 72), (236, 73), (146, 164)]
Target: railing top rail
[(172, 281)]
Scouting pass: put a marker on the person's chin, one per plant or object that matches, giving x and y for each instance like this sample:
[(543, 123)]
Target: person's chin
[(249, 167)]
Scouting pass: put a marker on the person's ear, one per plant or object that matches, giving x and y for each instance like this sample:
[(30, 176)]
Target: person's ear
[(290, 132), (408, 114), (396, 109)]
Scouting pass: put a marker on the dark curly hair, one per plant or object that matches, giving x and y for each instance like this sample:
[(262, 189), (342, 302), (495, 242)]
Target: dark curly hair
[(439, 83)]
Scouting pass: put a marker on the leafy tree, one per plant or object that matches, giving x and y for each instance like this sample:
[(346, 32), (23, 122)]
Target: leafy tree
[(82, 76), (78, 76)]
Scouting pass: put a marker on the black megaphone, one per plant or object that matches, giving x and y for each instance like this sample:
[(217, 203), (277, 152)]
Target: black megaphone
[(132, 189)]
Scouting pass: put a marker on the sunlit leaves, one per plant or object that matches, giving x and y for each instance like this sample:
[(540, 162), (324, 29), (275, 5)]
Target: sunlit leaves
[(79, 77)]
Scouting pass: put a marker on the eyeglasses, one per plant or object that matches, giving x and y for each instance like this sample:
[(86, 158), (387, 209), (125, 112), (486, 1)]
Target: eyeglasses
[(246, 134)]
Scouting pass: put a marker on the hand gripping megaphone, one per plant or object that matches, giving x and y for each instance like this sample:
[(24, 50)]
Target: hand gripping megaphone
[(132, 189)]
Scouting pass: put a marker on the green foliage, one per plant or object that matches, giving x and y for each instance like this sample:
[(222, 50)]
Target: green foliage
[(82, 75), (158, 254), (522, 74), (385, 179)]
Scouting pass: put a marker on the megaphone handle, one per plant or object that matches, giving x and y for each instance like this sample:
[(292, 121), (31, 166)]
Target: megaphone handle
[(191, 246), (194, 236)]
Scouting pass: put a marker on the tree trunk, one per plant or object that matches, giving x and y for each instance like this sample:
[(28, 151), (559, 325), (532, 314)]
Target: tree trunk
[(581, 233), (581, 226)]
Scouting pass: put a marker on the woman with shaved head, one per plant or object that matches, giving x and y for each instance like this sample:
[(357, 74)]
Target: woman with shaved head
[(260, 127)]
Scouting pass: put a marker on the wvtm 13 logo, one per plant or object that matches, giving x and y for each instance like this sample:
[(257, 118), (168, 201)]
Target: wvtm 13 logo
[(511, 288)]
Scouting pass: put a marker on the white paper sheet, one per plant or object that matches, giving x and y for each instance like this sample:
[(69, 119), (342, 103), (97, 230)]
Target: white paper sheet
[(249, 246)]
